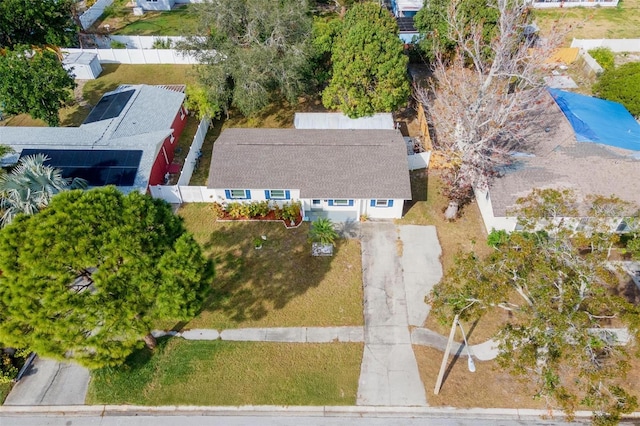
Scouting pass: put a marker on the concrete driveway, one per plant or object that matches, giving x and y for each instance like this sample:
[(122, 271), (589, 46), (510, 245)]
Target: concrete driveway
[(400, 265), (50, 382)]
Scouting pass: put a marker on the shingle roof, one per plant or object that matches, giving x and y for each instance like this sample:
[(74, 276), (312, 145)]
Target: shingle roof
[(560, 161), (321, 163)]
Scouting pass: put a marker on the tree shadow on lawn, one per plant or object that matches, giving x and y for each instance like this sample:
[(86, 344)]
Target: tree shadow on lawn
[(249, 283)]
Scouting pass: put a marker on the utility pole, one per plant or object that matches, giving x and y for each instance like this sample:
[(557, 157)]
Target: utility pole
[(445, 358)]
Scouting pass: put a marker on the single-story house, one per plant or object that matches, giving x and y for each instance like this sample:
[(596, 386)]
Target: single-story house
[(339, 174), (128, 139), (156, 4), (589, 145), (406, 8)]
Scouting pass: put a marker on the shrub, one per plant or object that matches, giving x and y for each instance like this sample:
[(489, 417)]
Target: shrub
[(278, 212), (322, 232), (238, 210), (218, 210), (259, 208), (497, 238), (160, 43), (604, 57), (621, 84), (118, 45), (291, 211)]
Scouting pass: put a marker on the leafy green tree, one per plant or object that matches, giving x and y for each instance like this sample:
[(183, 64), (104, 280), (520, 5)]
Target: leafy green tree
[(39, 23), (35, 83), (621, 84), (369, 66), (323, 34), (254, 51), (438, 32), (30, 186), (323, 232), (86, 278), (561, 295)]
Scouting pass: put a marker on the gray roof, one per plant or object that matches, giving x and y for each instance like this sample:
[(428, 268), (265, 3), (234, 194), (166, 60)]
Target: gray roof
[(143, 124), (559, 161), (82, 58), (337, 120), (320, 163)]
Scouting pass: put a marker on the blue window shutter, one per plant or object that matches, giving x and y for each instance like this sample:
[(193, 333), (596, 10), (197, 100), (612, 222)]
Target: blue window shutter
[(248, 194), (227, 194), (390, 203), (373, 203), (350, 203), (330, 202), (267, 194), (287, 195)]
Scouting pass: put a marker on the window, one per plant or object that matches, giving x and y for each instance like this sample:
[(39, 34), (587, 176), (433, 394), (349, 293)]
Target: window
[(316, 202), (277, 194), (341, 203), (243, 194), (381, 203)]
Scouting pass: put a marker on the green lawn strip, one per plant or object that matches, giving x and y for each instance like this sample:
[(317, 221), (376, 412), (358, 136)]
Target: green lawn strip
[(5, 388), (281, 285), (216, 372), (178, 22), (114, 75)]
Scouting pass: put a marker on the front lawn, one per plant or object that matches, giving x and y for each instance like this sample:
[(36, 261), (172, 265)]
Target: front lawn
[(184, 372), (281, 285)]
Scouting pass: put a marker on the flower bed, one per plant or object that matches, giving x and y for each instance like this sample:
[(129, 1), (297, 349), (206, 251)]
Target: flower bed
[(290, 214)]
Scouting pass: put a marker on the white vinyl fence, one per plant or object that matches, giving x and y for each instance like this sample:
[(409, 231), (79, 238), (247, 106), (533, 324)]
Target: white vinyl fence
[(93, 13), (591, 65), (141, 42), (616, 45), (588, 3), (182, 193), (138, 56), (419, 160)]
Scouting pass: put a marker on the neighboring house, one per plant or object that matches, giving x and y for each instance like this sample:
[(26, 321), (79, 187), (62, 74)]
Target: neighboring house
[(586, 144), (406, 8), (128, 139), (339, 174), (407, 30)]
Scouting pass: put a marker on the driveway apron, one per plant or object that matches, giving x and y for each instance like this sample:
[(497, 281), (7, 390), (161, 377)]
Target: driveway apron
[(389, 374)]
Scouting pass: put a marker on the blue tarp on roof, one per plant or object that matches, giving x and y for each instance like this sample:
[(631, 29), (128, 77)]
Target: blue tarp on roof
[(597, 120)]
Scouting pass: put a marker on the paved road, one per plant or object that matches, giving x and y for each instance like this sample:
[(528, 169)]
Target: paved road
[(389, 373), (268, 421), (50, 382)]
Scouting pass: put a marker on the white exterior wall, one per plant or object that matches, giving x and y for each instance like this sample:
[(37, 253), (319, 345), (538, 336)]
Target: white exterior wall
[(393, 212), (491, 222), (256, 195), (156, 5)]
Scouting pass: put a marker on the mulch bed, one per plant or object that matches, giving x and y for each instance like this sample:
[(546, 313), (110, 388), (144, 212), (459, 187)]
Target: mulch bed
[(270, 217)]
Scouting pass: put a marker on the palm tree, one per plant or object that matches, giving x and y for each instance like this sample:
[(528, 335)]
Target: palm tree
[(30, 186), (322, 232)]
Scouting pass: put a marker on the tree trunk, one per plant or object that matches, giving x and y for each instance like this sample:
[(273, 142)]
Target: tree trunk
[(150, 341), (452, 211)]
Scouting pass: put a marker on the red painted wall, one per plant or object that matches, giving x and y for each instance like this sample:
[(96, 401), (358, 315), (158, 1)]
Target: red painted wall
[(160, 166)]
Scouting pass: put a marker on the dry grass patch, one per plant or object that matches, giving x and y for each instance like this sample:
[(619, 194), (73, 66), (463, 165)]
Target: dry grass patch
[(232, 373), (281, 285), (465, 234), (593, 22)]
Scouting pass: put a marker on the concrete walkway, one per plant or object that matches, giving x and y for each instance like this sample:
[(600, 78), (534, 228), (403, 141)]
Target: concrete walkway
[(389, 373), (276, 334), (484, 351), (50, 382)]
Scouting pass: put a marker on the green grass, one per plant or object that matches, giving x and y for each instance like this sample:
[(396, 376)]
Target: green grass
[(281, 285), (114, 75), (5, 388), (180, 21), (622, 21), (232, 373)]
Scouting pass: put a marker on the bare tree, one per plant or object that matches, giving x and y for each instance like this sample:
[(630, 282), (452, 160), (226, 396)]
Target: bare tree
[(482, 102)]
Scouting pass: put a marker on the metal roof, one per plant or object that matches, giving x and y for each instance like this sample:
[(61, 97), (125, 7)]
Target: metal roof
[(336, 120)]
